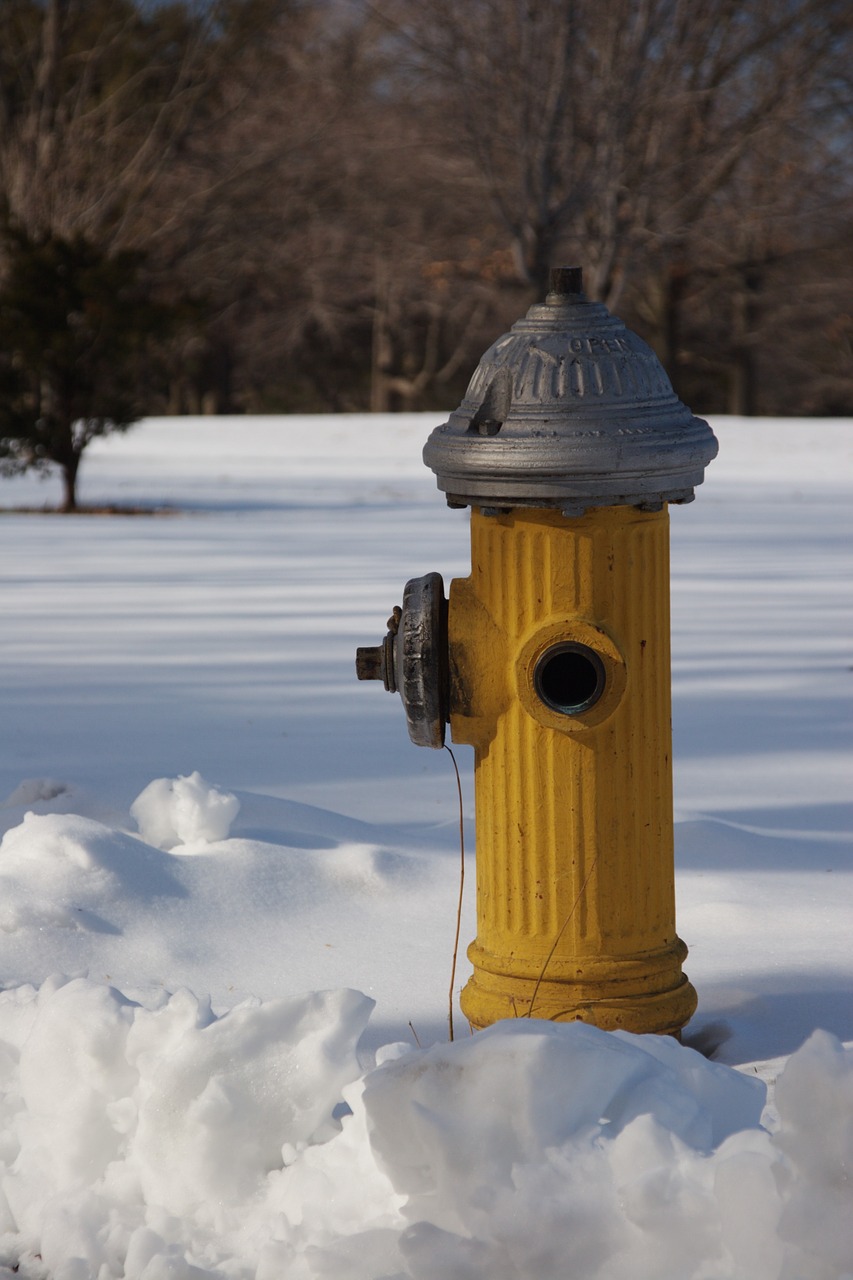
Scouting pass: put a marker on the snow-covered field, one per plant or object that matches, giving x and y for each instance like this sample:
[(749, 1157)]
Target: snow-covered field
[(221, 848)]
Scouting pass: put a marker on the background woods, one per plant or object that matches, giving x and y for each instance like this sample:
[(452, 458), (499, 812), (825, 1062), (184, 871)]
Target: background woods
[(337, 204)]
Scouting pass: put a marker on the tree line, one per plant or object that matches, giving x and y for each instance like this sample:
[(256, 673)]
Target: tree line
[(300, 205)]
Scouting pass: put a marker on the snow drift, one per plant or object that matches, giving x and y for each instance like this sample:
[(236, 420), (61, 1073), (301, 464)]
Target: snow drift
[(166, 1143)]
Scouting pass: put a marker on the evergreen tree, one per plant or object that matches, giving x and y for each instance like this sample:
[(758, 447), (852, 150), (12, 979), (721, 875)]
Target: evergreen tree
[(79, 337)]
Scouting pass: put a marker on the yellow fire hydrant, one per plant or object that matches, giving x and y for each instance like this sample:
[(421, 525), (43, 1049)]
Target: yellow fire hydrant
[(552, 661)]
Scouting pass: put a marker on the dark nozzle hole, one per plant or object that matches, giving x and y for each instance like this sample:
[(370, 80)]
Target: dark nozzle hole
[(569, 678)]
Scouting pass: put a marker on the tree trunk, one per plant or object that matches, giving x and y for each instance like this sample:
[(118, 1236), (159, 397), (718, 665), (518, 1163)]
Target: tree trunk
[(675, 288), (381, 355), (69, 483), (743, 379)]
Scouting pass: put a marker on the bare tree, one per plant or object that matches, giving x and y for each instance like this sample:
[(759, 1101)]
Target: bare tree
[(364, 192), (605, 129), (96, 100), (98, 96)]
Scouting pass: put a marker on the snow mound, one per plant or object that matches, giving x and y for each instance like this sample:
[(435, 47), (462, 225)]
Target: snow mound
[(183, 811), (66, 871), (246, 915), (129, 1134), (164, 1142)]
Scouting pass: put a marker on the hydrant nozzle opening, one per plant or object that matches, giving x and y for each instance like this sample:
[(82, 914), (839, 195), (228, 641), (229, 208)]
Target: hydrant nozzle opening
[(569, 678)]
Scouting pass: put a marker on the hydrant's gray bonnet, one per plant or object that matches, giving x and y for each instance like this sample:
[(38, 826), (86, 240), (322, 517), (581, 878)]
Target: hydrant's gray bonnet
[(569, 410)]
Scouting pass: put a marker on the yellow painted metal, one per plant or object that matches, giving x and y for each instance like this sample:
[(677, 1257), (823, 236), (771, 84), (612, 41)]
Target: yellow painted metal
[(575, 877)]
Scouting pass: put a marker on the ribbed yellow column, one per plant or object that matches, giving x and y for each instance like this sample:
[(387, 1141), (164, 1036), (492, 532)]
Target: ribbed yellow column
[(575, 880)]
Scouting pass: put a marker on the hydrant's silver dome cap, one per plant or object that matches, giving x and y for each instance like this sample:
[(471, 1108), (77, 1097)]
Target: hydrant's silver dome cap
[(570, 410)]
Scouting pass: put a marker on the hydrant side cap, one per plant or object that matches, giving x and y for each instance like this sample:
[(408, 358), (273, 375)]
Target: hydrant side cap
[(570, 407)]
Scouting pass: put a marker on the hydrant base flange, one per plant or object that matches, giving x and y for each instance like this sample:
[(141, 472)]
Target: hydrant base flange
[(647, 993), (658, 1013)]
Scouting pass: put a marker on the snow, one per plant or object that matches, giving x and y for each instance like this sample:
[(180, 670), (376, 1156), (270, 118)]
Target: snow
[(183, 811), (228, 890)]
